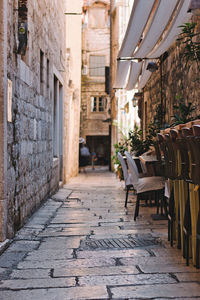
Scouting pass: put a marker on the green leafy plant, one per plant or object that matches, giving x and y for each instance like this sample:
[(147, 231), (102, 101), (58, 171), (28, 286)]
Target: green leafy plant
[(119, 147), (191, 47), (137, 144), (182, 112), (156, 124)]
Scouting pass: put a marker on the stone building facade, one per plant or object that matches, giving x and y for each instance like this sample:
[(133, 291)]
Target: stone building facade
[(95, 101), (33, 74), (174, 81), (73, 18)]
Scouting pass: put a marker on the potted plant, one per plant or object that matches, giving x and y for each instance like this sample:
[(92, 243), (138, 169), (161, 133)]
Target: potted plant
[(119, 147)]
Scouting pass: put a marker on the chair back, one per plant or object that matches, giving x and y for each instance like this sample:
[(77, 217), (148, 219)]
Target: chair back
[(123, 164), (132, 167)]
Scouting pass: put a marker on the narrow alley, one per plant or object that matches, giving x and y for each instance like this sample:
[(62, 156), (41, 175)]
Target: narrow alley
[(83, 244)]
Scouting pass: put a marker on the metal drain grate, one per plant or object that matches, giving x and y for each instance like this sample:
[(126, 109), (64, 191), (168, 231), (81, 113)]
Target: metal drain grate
[(122, 243)]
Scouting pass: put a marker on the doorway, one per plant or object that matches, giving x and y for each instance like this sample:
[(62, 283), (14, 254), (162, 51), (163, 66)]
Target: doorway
[(101, 146)]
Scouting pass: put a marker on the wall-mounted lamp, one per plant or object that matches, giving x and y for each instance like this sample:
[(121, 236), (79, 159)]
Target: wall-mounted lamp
[(152, 67), (194, 7), (134, 101)]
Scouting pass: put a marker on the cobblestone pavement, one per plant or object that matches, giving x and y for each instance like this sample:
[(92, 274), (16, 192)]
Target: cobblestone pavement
[(83, 244)]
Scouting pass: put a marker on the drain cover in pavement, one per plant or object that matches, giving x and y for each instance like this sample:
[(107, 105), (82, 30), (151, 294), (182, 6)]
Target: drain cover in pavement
[(121, 243)]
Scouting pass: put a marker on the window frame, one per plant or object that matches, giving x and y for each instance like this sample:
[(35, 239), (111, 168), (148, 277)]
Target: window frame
[(97, 104)]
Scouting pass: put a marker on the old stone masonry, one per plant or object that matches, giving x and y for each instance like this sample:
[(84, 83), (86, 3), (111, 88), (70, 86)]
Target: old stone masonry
[(83, 244)]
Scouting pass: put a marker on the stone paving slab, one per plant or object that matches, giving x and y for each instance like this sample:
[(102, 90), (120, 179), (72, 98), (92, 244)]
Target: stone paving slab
[(61, 242), (113, 253), (10, 259), (23, 246), (50, 254), (98, 271), (152, 262), (30, 274), (166, 268), (70, 263), (120, 235), (74, 293), (75, 225), (193, 277), (70, 219), (184, 298), (140, 279), (62, 194), (163, 252), (28, 233), (19, 284), (4, 273), (167, 291), (65, 232)]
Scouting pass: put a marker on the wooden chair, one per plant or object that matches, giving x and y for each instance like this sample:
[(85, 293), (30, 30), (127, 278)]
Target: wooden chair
[(146, 184), (127, 177)]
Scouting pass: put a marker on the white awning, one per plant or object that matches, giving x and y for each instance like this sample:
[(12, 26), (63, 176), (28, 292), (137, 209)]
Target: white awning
[(170, 36), (138, 19), (158, 23), (133, 75), (122, 73), (161, 18), (145, 76)]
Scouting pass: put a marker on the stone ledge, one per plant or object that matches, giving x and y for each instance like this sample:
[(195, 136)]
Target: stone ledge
[(55, 162), (4, 245)]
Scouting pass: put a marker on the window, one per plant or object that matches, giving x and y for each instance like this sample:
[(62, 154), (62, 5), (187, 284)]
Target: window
[(98, 104), (97, 17), (47, 73), (97, 65), (93, 104), (58, 124), (101, 103), (41, 71)]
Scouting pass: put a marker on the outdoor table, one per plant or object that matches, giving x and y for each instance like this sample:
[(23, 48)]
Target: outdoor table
[(137, 161), (148, 163)]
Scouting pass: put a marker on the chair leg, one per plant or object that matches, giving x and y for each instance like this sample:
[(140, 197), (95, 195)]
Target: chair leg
[(187, 249), (198, 240), (126, 200), (169, 229), (187, 227), (171, 217), (165, 205), (161, 197), (179, 231), (137, 207), (157, 201), (197, 252), (172, 232)]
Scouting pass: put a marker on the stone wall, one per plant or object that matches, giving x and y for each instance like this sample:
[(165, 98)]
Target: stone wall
[(33, 173), (178, 82), (3, 125)]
